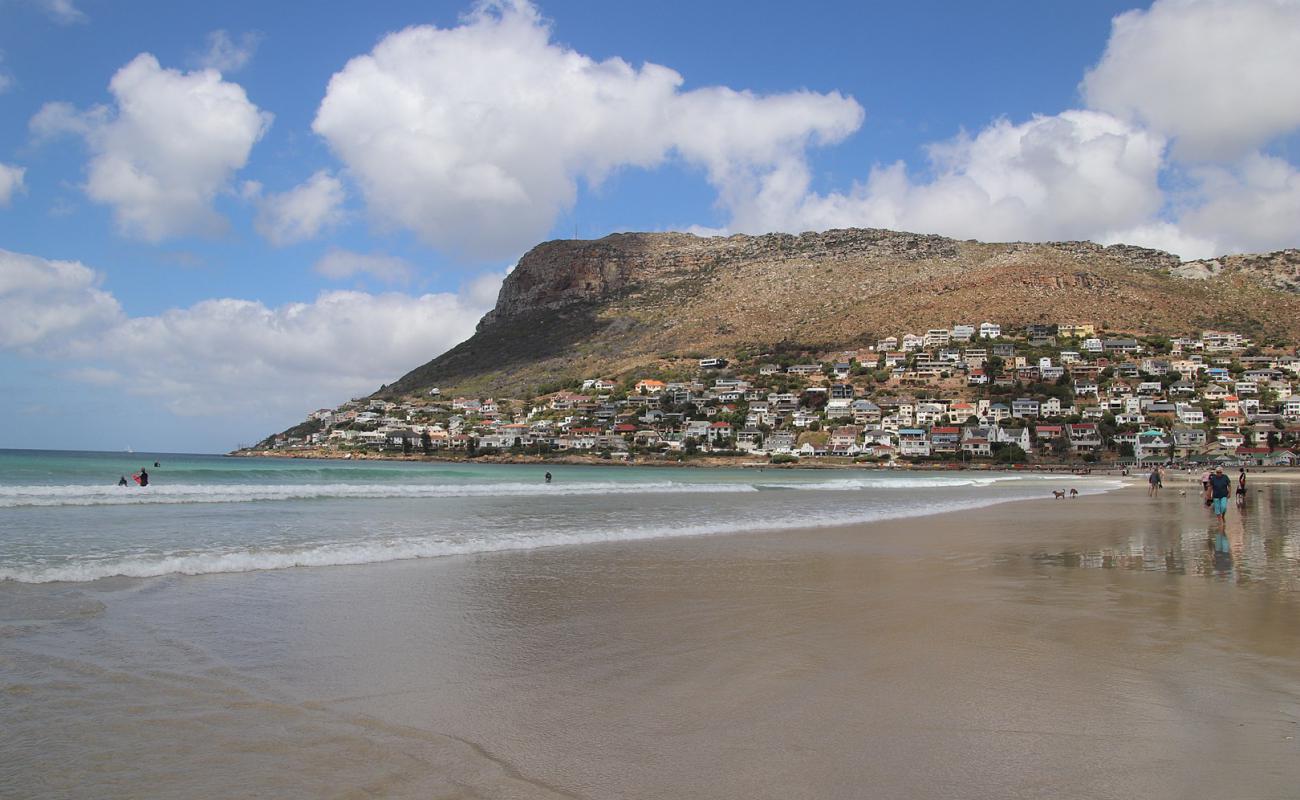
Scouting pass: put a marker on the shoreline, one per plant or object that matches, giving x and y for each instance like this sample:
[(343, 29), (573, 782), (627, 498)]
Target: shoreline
[(709, 462), (309, 560)]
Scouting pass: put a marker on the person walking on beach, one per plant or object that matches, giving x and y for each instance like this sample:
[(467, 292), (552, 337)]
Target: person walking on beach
[(1220, 487), (1155, 479), (1241, 488)]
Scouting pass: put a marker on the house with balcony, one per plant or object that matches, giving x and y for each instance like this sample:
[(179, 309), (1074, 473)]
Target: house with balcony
[(913, 442), (1083, 436), (1024, 407)]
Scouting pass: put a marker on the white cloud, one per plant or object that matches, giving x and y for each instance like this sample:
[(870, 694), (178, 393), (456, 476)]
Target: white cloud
[(1218, 76), (483, 290), (222, 357), (1165, 236), (44, 303), (474, 137), (11, 182), (224, 54), (57, 118), (63, 12), (339, 264), (1037, 180), (170, 144), (1253, 205), (300, 213), (227, 357)]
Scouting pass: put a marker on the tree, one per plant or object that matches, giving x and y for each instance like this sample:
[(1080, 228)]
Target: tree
[(993, 366), (406, 446), (1126, 450), (426, 442), (1009, 454)]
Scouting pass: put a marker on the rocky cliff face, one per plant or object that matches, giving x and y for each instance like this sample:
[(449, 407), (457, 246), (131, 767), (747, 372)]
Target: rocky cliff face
[(556, 273), (582, 308)]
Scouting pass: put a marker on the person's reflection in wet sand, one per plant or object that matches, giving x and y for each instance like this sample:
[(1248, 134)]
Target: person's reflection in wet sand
[(1228, 543), (1222, 552)]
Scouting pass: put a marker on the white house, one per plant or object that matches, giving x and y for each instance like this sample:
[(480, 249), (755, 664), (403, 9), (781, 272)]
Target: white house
[(913, 442)]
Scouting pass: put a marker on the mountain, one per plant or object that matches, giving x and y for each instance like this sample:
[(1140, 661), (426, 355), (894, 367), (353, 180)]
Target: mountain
[(573, 309)]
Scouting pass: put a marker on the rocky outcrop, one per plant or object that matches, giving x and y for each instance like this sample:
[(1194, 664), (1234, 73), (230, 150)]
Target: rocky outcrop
[(1279, 270)]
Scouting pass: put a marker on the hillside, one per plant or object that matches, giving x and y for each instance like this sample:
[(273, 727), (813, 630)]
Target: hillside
[(576, 308)]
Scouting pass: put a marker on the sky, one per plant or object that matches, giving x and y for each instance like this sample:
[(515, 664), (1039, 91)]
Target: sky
[(215, 218)]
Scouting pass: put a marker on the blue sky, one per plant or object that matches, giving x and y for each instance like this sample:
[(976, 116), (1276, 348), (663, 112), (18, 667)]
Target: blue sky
[(214, 219)]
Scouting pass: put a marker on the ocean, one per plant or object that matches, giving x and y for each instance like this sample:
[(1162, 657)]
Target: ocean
[(64, 518)]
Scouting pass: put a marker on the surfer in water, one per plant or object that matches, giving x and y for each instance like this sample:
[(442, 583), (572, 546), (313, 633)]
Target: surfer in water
[(142, 478), (548, 477), (122, 481)]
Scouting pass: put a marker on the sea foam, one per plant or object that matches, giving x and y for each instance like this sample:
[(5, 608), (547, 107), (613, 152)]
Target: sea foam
[(318, 554), (182, 493)]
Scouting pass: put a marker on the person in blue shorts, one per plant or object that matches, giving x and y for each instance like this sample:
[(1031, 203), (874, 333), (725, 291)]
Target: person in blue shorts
[(1220, 489)]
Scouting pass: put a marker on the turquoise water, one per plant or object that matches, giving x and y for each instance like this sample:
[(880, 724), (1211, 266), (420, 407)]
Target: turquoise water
[(64, 518)]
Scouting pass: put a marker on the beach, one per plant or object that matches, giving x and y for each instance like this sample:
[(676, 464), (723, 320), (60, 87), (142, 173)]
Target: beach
[(1096, 647)]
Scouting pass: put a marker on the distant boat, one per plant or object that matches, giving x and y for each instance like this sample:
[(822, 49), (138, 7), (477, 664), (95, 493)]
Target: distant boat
[(129, 449)]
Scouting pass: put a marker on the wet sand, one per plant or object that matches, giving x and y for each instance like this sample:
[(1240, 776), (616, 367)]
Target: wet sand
[(1089, 648)]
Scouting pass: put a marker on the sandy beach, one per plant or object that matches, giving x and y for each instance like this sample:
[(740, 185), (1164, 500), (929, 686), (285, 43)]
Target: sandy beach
[(1089, 648)]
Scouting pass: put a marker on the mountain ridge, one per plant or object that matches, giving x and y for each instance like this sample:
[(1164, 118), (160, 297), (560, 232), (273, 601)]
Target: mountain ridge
[(583, 308)]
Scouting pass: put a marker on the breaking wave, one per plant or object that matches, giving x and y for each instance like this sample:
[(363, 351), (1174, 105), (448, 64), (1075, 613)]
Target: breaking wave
[(184, 493), (16, 496), (323, 554)]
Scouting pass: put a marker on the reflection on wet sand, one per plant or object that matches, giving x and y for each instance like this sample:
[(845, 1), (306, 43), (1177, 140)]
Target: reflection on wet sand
[(1257, 544)]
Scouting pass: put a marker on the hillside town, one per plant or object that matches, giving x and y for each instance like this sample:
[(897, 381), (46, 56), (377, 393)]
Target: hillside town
[(1051, 394)]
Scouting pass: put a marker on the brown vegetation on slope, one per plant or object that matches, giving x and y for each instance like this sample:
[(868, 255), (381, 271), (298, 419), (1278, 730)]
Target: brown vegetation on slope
[(586, 308)]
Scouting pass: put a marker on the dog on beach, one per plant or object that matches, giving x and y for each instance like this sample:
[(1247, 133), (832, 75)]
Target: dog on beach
[(1058, 495), (1074, 493)]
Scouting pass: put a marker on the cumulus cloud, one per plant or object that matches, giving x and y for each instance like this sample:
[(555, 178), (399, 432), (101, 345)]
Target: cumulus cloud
[(223, 356), (1218, 76), (227, 357), (1166, 236), (224, 54), (1252, 205), (11, 182), (339, 264), (44, 303), (170, 143), (1210, 77), (475, 137), (300, 213), (1039, 179)]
